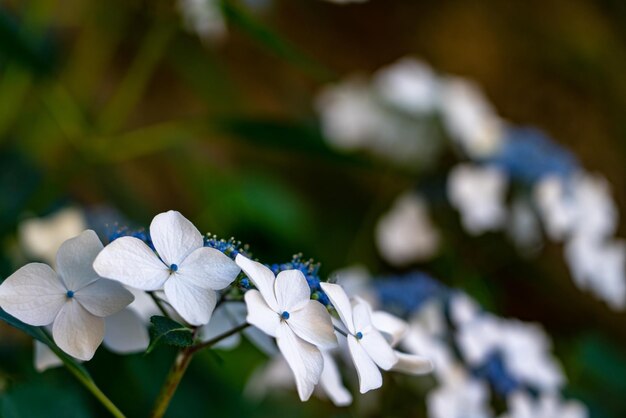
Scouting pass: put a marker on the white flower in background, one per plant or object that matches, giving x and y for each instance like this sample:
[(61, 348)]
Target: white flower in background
[(189, 273), (410, 85), (580, 205), (549, 405), (204, 18), (459, 397), (282, 308), (277, 374), (349, 114), (478, 192), (406, 234), (525, 348), (74, 299), (599, 266), (368, 348), (42, 237), (469, 118)]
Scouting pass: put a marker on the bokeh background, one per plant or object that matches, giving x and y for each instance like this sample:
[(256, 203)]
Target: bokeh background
[(118, 105)]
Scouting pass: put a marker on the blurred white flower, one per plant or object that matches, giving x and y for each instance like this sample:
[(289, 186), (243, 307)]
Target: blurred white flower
[(188, 272), (367, 346), (42, 237), (410, 85), (282, 308), (599, 266), (406, 234), (75, 300), (549, 405), (469, 118), (525, 349), (478, 192), (581, 205), (459, 397), (350, 117), (204, 18)]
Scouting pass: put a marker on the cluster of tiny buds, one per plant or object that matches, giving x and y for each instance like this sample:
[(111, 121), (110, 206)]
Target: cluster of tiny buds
[(230, 247)]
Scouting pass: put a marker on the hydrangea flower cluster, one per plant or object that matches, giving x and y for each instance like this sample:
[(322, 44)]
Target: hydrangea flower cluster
[(396, 115), (184, 277)]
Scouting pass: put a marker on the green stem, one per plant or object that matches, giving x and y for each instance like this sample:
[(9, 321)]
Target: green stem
[(159, 304), (95, 390), (180, 367)]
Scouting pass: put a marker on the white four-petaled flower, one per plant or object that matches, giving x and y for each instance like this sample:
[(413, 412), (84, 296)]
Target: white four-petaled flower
[(368, 348), (188, 272), (282, 308), (74, 299)]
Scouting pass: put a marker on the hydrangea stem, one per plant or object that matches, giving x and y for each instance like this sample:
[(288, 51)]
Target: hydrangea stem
[(95, 390), (180, 367)]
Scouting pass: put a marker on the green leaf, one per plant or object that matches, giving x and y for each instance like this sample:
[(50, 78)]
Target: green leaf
[(169, 332), (39, 334)]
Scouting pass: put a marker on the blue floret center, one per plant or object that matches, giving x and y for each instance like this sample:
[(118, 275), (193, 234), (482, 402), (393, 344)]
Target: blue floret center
[(284, 315), (70, 294), (359, 335), (173, 268)]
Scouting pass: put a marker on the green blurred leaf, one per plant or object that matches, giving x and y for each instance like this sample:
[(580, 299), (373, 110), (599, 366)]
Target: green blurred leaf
[(169, 332)]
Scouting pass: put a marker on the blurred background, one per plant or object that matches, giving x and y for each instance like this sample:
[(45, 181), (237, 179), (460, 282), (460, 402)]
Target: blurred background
[(129, 108)]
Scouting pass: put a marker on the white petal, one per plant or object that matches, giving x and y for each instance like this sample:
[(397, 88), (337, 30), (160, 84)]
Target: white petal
[(193, 303), (362, 315), (379, 349), (104, 297), (291, 290), (76, 331), (259, 313), (209, 268), (261, 277), (304, 359), (331, 383), (45, 358), (33, 294), (174, 237), (75, 260), (131, 262), (412, 364), (389, 324), (340, 301), (221, 321), (369, 375), (312, 323), (125, 332)]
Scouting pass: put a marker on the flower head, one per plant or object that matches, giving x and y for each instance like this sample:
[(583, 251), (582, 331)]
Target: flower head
[(74, 299), (282, 308), (188, 272)]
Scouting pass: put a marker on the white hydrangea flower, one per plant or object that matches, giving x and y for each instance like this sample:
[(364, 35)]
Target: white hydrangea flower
[(204, 18), (349, 114), (367, 346), (525, 349), (42, 237), (599, 266), (406, 234), (478, 193), (549, 405), (459, 397), (282, 308), (75, 300), (469, 118), (580, 205), (189, 273), (410, 85)]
